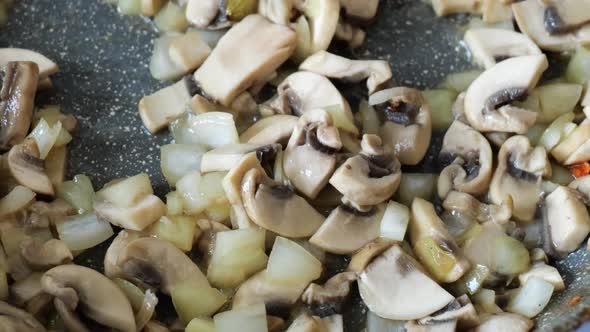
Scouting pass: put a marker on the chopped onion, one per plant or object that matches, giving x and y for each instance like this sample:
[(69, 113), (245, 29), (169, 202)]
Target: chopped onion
[(134, 294), (200, 325), (126, 192), (198, 191), (17, 199), (556, 131), (414, 185), (560, 174), (440, 102), (303, 49), (535, 132), (177, 160), (173, 204), (395, 221), (211, 37), (161, 65), (578, 69), (369, 118), (379, 324), (45, 136), (341, 119), (78, 192), (83, 231), (461, 81), (245, 319), (129, 7), (195, 298), (383, 96), (290, 263), (457, 223), (485, 300), (531, 298), (147, 309), (557, 99), (212, 129), (171, 18)]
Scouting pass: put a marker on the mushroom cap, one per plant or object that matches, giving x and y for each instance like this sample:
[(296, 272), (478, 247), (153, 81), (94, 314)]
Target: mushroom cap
[(409, 141), (111, 257), (502, 83), (568, 219), (393, 286), (345, 231), (28, 169), (277, 208), (519, 174), (18, 87), (18, 320), (488, 44), (377, 72), (94, 294), (159, 262), (259, 288), (273, 129), (45, 65), (530, 17), (463, 141)]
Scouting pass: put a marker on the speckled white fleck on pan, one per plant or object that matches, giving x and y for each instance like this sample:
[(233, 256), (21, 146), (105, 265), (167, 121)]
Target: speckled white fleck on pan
[(103, 59)]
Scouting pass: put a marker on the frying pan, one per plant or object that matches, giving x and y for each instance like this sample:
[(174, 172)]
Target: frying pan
[(103, 59)]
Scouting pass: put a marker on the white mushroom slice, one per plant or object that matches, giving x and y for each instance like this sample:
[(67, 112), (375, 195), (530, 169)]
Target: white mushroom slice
[(530, 17), (582, 185), (303, 91), (505, 321), (137, 217), (545, 272), (228, 156), (188, 51), (446, 7), (278, 11), (27, 169), (377, 72), (461, 310), (333, 292), (273, 129), (519, 174), (567, 218), (493, 11), (347, 230), (488, 45), (111, 257), (575, 145), (202, 12), (323, 18), (164, 106), (469, 205), (277, 208), (488, 98), (314, 138), (46, 66), (259, 289), (393, 286), (473, 174), (263, 47), (364, 10), (362, 258), (408, 125), (369, 178)]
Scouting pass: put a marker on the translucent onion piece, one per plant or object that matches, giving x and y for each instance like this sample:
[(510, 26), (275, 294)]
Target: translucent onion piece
[(578, 69), (134, 294), (460, 81), (83, 231), (161, 66), (246, 319), (440, 102), (45, 136), (200, 325), (17, 199), (129, 7), (148, 307), (212, 129), (378, 324), (289, 263), (414, 185), (341, 119), (303, 49), (395, 221), (171, 18), (555, 132), (369, 118), (78, 192), (199, 192), (177, 160), (63, 138), (531, 298), (196, 299), (211, 37)]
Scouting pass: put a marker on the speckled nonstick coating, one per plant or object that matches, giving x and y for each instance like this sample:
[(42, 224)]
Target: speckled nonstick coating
[(103, 59)]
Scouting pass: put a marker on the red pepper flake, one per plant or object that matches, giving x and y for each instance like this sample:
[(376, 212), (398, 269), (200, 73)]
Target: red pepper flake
[(574, 301), (581, 169)]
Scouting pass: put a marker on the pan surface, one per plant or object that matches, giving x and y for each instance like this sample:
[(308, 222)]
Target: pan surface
[(103, 60)]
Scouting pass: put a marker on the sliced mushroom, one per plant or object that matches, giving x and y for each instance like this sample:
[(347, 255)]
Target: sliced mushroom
[(332, 293), (434, 245), (44, 255), (14, 319), (470, 206), (489, 45), (446, 7), (202, 12), (259, 288), (164, 106), (360, 10), (277, 11), (263, 47), (472, 161), (111, 257), (18, 85), (407, 125), (277, 208), (582, 185), (28, 169), (270, 130), (488, 98), (393, 286), (70, 319), (158, 263), (519, 174), (545, 25), (377, 72), (188, 51), (24, 290), (314, 138), (505, 322), (303, 91), (45, 65), (138, 217), (444, 326), (96, 296), (366, 254), (346, 229), (323, 18), (493, 11), (575, 147), (568, 219), (228, 156), (461, 310), (545, 272)]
